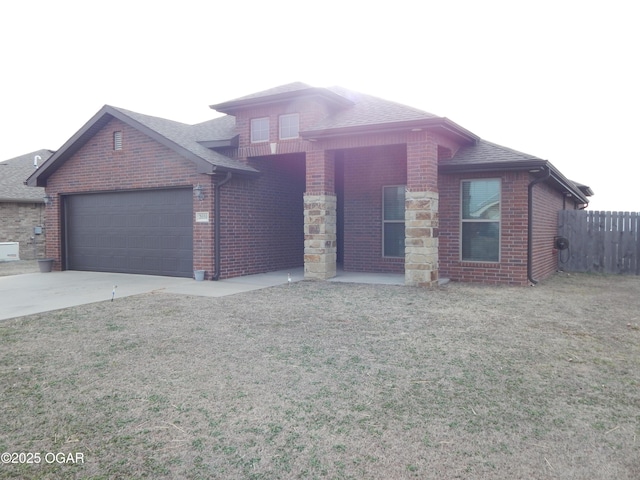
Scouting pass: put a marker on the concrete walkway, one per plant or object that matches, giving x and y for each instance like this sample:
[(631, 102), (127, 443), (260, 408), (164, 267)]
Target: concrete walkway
[(31, 293), (42, 292)]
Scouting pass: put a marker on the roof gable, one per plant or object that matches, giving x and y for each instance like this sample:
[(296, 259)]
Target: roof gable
[(179, 137)]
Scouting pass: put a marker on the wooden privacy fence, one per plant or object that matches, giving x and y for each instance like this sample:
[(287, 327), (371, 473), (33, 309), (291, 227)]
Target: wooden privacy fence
[(602, 242)]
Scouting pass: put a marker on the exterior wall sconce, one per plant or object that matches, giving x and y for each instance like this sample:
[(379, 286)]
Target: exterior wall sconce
[(198, 192), (48, 200)]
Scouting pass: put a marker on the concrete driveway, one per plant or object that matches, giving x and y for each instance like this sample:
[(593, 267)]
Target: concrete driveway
[(42, 292)]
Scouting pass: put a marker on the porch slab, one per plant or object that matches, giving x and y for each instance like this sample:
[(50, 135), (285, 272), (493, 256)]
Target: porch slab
[(370, 278)]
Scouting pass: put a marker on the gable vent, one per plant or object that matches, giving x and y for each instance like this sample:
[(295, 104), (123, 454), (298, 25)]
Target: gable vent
[(117, 140)]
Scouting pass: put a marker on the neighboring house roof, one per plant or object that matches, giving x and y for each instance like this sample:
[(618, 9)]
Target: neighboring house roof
[(179, 137), (486, 156), (13, 174)]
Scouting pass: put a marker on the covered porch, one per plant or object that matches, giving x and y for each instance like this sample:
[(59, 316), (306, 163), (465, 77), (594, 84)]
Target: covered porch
[(360, 202)]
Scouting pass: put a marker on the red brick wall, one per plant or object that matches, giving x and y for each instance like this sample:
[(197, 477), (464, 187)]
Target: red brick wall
[(547, 202), (512, 268), (263, 218), (366, 171), (320, 176), (309, 113), (143, 163)]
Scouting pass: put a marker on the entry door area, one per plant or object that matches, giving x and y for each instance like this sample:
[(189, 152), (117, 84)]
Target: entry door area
[(145, 232)]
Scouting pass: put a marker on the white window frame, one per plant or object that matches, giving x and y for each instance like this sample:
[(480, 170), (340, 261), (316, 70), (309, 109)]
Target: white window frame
[(286, 128), (481, 220), (259, 133), (385, 222)]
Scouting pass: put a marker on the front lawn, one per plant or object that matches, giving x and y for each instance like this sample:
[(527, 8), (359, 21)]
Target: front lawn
[(328, 380)]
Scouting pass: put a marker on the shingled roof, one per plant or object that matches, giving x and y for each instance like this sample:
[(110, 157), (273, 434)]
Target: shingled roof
[(486, 156), (367, 114), (283, 93), (351, 113), (13, 174), (484, 152), (370, 110)]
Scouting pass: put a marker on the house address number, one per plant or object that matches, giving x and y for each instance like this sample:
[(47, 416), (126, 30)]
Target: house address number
[(202, 217)]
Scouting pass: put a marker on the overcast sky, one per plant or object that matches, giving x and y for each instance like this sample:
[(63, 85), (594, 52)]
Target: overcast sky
[(556, 79)]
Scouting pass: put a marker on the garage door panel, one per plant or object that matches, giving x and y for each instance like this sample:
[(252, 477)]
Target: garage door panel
[(147, 232)]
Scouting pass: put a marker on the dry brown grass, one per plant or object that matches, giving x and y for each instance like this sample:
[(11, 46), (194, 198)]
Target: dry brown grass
[(323, 380)]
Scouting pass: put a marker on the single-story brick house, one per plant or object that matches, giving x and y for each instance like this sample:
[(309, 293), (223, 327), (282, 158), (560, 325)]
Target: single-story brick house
[(21, 207), (295, 176)]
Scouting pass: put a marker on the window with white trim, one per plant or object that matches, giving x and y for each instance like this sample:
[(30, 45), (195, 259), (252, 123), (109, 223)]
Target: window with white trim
[(259, 130), (289, 126), (393, 221), (480, 232)]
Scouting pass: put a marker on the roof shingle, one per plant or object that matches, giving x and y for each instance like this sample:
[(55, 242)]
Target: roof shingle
[(369, 110), (187, 137), (14, 172)]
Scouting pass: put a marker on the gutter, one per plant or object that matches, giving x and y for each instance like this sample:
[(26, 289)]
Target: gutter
[(216, 225), (560, 180), (532, 184)]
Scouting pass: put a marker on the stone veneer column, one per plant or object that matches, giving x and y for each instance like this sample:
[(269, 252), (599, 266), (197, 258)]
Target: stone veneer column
[(421, 239), (320, 247)]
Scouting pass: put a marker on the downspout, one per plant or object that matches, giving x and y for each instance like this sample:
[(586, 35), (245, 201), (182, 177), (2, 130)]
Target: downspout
[(532, 184), (216, 224)]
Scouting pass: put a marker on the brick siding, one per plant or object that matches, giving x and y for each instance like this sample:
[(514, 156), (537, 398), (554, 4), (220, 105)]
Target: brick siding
[(142, 163), (366, 171), (512, 268), (263, 218), (547, 202)]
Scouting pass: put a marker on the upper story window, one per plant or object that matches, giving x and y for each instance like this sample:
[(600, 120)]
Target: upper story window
[(289, 126), (481, 220), (117, 140), (260, 130)]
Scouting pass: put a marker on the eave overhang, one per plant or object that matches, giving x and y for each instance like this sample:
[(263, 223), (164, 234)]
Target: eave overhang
[(227, 143), (441, 125), (533, 166)]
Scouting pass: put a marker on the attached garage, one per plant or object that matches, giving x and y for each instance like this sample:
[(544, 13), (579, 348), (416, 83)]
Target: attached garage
[(146, 232)]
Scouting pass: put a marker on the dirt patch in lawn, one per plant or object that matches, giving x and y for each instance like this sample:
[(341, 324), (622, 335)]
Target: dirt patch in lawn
[(324, 380)]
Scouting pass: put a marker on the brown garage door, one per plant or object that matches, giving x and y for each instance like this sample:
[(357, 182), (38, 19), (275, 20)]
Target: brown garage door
[(146, 232)]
